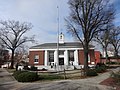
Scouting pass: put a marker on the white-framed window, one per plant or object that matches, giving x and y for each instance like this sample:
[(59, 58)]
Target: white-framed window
[(36, 58), (88, 58), (71, 55), (51, 56)]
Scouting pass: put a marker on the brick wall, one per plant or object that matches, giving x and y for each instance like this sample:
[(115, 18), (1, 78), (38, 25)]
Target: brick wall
[(92, 55), (97, 57), (81, 56), (41, 57)]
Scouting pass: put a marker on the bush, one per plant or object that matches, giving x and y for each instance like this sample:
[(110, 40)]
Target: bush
[(33, 68), (100, 69), (100, 65), (26, 68), (16, 73), (25, 76), (91, 72), (112, 63)]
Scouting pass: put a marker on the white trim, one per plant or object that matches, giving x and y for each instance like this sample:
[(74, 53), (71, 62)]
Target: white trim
[(36, 62), (76, 57), (46, 58), (59, 49), (61, 56), (55, 57)]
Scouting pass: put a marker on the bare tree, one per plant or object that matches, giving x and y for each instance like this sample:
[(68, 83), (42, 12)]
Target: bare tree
[(103, 38), (115, 40), (13, 35), (21, 53), (21, 56), (86, 19)]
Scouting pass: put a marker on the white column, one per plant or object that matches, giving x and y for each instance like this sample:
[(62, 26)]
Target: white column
[(76, 57), (46, 58), (66, 57), (56, 57)]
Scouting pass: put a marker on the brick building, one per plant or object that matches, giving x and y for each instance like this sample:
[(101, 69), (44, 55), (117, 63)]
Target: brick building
[(71, 55), (98, 57), (4, 56)]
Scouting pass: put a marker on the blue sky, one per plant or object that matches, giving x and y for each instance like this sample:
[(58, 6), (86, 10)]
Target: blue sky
[(43, 15)]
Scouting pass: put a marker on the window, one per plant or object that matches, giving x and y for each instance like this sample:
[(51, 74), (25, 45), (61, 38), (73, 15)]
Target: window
[(60, 37), (51, 56), (71, 55), (88, 58), (36, 58)]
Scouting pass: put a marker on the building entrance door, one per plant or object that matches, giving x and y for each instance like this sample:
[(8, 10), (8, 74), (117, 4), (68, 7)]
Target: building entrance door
[(61, 61)]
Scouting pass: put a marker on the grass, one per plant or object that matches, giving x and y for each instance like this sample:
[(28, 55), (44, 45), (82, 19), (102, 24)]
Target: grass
[(54, 76), (50, 77)]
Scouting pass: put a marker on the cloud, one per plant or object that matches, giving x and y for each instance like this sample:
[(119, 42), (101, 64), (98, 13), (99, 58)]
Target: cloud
[(43, 15)]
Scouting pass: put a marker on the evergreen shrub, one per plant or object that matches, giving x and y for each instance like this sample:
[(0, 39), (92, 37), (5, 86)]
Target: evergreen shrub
[(33, 68), (91, 72), (100, 69), (26, 76)]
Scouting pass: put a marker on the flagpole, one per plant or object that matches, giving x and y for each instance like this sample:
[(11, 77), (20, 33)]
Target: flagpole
[(58, 37)]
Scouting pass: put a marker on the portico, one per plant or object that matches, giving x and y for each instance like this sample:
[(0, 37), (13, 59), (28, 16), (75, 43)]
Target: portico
[(64, 57)]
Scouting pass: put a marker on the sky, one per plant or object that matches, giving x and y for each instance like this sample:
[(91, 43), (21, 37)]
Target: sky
[(43, 15)]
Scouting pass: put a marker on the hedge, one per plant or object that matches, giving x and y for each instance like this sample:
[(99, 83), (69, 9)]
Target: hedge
[(25, 76), (100, 69), (91, 72)]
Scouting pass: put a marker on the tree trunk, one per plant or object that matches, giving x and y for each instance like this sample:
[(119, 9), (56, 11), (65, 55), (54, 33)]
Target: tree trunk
[(106, 55), (116, 54), (12, 60), (86, 51)]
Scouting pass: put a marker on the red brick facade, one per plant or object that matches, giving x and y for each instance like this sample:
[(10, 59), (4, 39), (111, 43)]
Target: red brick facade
[(97, 57), (81, 56), (41, 57), (92, 55)]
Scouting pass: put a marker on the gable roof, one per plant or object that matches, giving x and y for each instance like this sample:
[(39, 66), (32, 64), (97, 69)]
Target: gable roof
[(64, 45)]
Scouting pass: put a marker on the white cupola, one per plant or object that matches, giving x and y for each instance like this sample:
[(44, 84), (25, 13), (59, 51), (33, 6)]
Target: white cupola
[(61, 38)]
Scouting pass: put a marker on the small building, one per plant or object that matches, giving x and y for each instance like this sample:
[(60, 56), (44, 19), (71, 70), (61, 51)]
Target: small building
[(110, 53), (4, 57), (71, 55)]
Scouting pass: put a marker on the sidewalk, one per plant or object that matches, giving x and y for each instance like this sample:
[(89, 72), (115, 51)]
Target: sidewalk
[(5, 76), (7, 81)]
